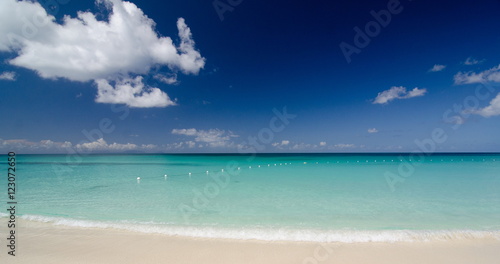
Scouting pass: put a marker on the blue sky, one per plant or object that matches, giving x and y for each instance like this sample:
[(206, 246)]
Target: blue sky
[(217, 76)]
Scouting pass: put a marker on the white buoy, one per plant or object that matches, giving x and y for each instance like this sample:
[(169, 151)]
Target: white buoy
[(206, 172), (222, 170), (165, 176), (239, 168), (268, 165), (138, 178), (249, 167), (190, 174), (259, 166)]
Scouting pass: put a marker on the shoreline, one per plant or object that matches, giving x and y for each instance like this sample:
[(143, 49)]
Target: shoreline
[(269, 234), (39, 242)]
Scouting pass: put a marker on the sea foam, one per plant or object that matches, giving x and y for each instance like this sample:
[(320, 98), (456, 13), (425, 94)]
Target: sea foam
[(268, 234)]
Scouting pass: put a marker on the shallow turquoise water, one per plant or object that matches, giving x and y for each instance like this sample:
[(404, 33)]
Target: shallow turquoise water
[(325, 197)]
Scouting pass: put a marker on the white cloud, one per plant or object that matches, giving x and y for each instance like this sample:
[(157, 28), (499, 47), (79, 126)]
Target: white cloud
[(491, 75), (23, 144), (50, 146), (8, 76), (186, 132), (437, 68), (84, 48), (344, 146), (281, 144), (148, 146), (213, 137), (488, 76), (472, 61), (491, 110), (322, 143), (457, 120), (191, 144), (166, 78), (304, 146), (372, 130), (398, 92), (131, 92), (190, 59), (101, 145)]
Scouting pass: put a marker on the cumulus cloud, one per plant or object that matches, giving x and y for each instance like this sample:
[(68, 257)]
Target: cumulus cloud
[(131, 92), (84, 48), (213, 137), (472, 61), (491, 75), (166, 78), (398, 92), (322, 143), (304, 146), (488, 76), (372, 130), (26, 145), (437, 68), (281, 144), (457, 120), (491, 110), (50, 146), (8, 76), (185, 132), (101, 145), (344, 146)]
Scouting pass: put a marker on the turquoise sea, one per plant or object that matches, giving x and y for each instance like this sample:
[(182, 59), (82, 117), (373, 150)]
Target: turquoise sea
[(291, 197)]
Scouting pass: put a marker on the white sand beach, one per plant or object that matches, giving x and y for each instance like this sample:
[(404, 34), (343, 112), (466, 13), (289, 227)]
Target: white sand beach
[(45, 243)]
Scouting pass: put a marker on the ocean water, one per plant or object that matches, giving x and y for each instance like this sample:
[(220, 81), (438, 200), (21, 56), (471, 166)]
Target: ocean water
[(287, 197)]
